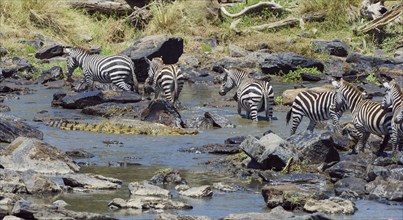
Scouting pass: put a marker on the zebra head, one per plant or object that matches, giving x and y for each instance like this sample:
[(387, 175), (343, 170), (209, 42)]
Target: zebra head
[(154, 65), (226, 83), (387, 99), (75, 59), (339, 98)]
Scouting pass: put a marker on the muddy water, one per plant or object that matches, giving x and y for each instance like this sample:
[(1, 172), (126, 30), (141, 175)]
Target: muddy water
[(137, 158)]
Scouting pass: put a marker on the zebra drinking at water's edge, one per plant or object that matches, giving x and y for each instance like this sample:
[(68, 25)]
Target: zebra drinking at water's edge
[(393, 98), (115, 69), (253, 95), (368, 116), (165, 80)]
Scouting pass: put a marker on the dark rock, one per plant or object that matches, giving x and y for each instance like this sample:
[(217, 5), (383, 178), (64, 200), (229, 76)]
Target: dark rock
[(161, 111), (88, 181), (52, 74), (335, 67), (190, 61), (168, 47), (270, 152), (37, 44), (210, 120), (315, 147), (333, 47), (167, 177), (79, 154), (82, 100), (310, 77), (213, 43), (380, 189), (374, 171), (213, 149), (289, 196), (306, 180), (344, 169), (22, 64), (58, 84), (122, 97), (396, 174), (50, 51), (12, 129), (235, 140), (57, 98), (236, 51), (350, 186), (282, 63), (369, 60), (3, 52), (232, 62)]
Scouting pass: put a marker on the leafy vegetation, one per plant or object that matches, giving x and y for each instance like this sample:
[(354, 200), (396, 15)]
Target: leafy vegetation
[(279, 100), (295, 76)]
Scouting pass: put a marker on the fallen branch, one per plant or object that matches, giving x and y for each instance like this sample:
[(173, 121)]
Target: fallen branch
[(288, 22), (102, 6), (386, 18), (253, 8)]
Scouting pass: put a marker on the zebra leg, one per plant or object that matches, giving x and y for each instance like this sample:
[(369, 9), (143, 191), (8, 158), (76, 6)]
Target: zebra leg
[(122, 85), (362, 140), (394, 138), (311, 125), (296, 120), (335, 119), (78, 88), (383, 145)]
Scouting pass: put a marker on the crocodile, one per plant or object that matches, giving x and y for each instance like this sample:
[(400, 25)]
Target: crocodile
[(120, 126)]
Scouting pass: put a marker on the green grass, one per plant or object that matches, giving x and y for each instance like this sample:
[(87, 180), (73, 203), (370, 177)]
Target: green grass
[(279, 100)]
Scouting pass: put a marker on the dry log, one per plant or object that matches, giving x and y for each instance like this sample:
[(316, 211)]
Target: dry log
[(103, 6), (253, 8), (386, 18)]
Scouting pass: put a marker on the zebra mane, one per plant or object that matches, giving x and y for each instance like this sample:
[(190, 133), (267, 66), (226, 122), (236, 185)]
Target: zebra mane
[(395, 85), (352, 86), (86, 50)]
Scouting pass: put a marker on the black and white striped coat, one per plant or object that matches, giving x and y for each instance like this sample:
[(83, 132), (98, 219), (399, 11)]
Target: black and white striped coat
[(253, 95), (115, 69), (317, 106), (368, 116), (393, 99), (165, 80)]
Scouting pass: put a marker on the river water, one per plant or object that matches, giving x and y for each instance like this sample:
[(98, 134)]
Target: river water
[(140, 157)]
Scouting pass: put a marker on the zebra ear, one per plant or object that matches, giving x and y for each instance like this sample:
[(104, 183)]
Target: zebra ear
[(335, 84), (66, 50), (386, 85)]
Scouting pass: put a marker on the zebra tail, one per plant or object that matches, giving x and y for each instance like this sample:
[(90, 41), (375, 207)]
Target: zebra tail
[(288, 116), (266, 101), (176, 90)]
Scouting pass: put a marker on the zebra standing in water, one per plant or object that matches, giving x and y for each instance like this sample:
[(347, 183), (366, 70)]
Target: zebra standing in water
[(164, 79), (393, 98), (317, 106), (115, 69), (253, 95), (368, 116)]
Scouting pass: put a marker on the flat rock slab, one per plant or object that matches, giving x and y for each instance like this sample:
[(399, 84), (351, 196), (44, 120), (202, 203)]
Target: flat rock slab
[(146, 189), (197, 192), (32, 154), (147, 203), (334, 205), (88, 181)]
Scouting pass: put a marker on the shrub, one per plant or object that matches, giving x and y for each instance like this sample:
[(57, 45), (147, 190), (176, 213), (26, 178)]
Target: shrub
[(295, 76)]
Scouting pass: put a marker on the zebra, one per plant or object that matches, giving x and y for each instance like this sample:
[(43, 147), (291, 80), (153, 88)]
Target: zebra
[(368, 116), (317, 106), (399, 117), (253, 95), (115, 69), (165, 80), (393, 98)]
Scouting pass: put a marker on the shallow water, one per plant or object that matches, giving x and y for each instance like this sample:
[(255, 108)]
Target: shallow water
[(140, 157)]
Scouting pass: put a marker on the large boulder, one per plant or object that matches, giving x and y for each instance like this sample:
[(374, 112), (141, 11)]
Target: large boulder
[(146, 189), (210, 120), (344, 169), (270, 152), (381, 189), (350, 187), (11, 182), (36, 183), (196, 192), (53, 74), (315, 147), (332, 47), (167, 177), (11, 129), (32, 154), (168, 47), (163, 112), (290, 196), (282, 63), (50, 51)]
